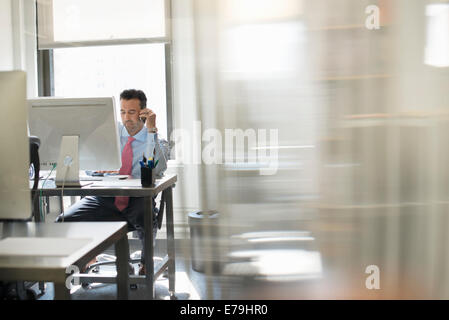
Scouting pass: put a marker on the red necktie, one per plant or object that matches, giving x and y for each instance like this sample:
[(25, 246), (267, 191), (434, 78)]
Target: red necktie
[(126, 169)]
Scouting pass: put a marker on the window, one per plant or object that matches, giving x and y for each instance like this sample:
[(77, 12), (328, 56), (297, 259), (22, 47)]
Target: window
[(100, 48), (107, 70), (437, 46)]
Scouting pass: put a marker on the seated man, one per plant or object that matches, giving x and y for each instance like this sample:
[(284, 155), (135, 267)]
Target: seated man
[(139, 138)]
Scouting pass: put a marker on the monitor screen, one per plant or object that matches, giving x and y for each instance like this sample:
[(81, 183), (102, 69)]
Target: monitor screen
[(92, 120), (15, 195)]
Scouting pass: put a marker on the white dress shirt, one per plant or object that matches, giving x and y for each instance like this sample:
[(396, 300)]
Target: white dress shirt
[(147, 144)]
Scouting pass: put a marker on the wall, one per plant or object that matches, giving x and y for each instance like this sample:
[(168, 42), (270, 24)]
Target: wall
[(18, 39), (6, 52)]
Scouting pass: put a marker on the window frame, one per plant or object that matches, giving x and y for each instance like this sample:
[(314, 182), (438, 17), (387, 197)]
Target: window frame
[(45, 55)]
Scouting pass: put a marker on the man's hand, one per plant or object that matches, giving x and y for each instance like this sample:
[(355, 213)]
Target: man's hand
[(150, 123)]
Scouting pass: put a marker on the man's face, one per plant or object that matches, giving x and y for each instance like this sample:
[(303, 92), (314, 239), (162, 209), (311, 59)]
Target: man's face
[(129, 110)]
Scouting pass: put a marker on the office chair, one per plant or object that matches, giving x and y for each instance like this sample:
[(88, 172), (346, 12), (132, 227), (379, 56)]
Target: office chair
[(35, 171)]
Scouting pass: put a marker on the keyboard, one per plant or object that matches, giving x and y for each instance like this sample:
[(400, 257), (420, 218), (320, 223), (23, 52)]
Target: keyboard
[(89, 178)]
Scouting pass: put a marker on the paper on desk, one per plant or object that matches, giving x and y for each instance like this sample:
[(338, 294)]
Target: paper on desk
[(59, 247), (114, 183)]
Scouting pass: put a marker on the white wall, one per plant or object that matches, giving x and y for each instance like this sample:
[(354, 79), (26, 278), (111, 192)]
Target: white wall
[(18, 39), (6, 43)]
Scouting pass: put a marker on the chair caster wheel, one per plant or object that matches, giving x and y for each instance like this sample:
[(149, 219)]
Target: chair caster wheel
[(133, 286), (85, 285), (42, 288), (172, 296)]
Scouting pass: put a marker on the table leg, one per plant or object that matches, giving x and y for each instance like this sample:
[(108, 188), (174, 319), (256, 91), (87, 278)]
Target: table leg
[(170, 242), (149, 250), (61, 203), (36, 207), (122, 254), (61, 291)]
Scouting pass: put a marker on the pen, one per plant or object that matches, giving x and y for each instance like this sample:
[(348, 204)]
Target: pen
[(156, 163), (144, 159), (142, 164)]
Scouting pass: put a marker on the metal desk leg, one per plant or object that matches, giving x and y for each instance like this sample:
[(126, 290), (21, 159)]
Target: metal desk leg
[(170, 242), (122, 254), (61, 203), (61, 291), (149, 250), (36, 208)]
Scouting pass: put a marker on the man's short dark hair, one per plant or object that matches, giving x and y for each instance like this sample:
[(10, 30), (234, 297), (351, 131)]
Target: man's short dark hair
[(134, 94)]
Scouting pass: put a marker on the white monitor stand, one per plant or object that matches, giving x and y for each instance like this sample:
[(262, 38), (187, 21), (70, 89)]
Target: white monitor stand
[(67, 168)]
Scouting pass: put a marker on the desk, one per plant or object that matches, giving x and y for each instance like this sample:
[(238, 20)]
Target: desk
[(37, 264), (132, 188)]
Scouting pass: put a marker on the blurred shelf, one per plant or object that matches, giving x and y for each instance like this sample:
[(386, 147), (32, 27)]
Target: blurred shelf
[(356, 77), (347, 27), (414, 118), (330, 206), (413, 114)]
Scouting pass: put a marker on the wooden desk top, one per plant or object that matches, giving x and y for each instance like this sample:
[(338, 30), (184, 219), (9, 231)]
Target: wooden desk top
[(113, 187)]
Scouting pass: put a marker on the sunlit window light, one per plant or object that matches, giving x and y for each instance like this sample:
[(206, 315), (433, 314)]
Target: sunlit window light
[(437, 46)]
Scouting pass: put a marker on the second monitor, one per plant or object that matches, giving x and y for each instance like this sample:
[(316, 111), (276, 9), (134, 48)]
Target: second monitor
[(75, 133)]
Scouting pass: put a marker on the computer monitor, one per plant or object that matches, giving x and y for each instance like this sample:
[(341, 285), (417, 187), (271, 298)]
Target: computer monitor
[(15, 195), (76, 134)]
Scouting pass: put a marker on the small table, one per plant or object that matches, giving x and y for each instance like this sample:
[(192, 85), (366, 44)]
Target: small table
[(47, 251), (110, 187)]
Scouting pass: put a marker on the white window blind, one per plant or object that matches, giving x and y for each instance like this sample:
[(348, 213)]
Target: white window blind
[(64, 23)]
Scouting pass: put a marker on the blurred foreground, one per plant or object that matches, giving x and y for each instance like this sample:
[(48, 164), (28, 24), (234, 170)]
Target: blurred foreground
[(362, 117)]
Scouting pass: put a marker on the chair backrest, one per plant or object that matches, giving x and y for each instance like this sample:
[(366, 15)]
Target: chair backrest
[(34, 159), (166, 148)]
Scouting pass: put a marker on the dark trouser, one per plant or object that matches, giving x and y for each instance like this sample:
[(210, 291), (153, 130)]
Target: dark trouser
[(102, 209)]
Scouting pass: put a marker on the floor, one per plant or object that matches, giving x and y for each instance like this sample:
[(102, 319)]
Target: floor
[(245, 276), (193, 285), (189, 285)]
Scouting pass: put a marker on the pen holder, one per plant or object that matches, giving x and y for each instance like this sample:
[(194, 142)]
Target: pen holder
[(147, 177)]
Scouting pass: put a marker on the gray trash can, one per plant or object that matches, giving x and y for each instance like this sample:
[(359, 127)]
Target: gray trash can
[(202, 239)]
